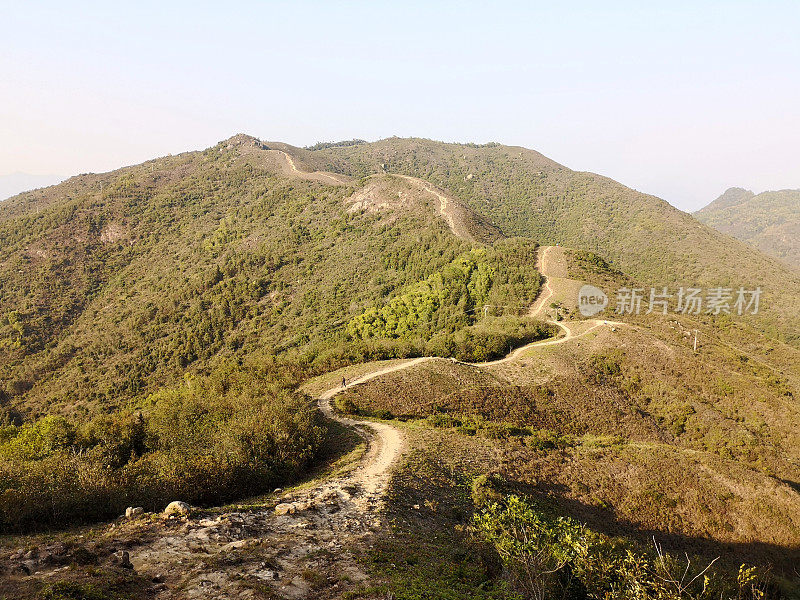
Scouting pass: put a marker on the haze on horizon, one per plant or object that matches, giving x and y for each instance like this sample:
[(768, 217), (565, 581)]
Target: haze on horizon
[(681, 100)]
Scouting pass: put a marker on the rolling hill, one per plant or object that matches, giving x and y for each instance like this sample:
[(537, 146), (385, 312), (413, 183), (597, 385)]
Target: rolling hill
[(161, 326), (770, 221), (116, 284), (525, 193)]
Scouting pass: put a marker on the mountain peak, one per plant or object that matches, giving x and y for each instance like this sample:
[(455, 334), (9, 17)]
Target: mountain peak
[(243, 139), (730, 197)]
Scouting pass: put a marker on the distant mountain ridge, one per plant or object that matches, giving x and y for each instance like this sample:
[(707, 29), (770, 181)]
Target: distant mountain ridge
[(770, 221), (15, 183)]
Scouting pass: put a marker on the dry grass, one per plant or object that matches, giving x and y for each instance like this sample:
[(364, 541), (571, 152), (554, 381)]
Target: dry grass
[(701, 450)]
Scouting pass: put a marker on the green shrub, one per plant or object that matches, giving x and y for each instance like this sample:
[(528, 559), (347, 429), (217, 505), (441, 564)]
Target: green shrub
[(606, 366), (231, 434), (549, 556), (442, 420), (35, 441), (544, 440), (67, 590), (345, 404)]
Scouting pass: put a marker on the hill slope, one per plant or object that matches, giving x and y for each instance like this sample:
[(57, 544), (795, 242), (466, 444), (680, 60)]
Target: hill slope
[(170, 311), (14, 183), (116, 284), (525, 193), (770, 221)]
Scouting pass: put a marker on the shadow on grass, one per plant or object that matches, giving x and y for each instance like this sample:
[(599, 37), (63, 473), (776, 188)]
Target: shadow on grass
[(429, 501), (784, 561)]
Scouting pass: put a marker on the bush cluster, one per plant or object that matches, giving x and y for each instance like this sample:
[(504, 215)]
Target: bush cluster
[(547, 556), (231, 434)]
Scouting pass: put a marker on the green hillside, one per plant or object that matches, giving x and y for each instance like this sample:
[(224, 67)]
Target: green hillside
[(200, 290), (161, 327), (115, 284), (770, 221), (525, 193)]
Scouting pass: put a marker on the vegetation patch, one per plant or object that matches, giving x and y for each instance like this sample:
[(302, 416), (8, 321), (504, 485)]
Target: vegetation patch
[(548, 556), (234, 433)]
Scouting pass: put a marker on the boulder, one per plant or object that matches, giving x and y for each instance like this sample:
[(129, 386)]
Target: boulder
[(31, 554), (177, 508), (284, 508), (133, 511)]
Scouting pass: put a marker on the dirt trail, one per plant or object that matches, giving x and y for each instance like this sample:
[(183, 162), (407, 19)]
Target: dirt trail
[(543, 253), (322, 176), (444, 202), (310, 529), (386, 442), (277, 549)]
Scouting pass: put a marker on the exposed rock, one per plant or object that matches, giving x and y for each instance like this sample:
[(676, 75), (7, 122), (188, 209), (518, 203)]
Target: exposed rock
[(133, 511), (267, 575), (284, 508), (31, 554), (122, 559), (239, 544), (57, 549), (177, 508)]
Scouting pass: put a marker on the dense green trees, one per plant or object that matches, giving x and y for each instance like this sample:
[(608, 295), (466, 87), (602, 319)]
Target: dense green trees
[(453, 310)]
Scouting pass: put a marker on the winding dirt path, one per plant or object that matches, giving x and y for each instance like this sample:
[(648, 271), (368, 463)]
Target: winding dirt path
[(385, 441), (230, 553), (538, 306)]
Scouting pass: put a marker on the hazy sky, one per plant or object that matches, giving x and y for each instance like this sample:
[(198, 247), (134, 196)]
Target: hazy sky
[(681, 100)]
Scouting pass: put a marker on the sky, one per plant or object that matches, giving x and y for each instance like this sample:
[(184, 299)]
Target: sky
[(677, 99)]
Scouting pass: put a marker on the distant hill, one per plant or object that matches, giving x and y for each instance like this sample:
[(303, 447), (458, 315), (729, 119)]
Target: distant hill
[(14, 183), (770, 221)]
